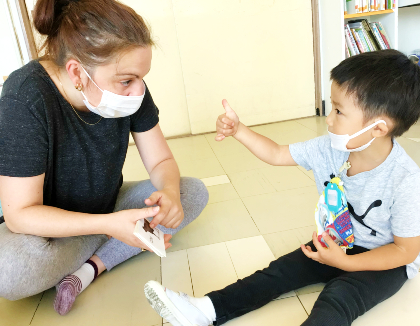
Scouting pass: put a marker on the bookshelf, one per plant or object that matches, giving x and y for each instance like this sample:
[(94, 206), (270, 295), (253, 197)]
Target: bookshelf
[(332, 21), (371, 13)]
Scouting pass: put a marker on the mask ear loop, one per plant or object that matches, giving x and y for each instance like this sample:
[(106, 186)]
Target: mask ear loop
[(91, 78), (87, 74), (367, 128)]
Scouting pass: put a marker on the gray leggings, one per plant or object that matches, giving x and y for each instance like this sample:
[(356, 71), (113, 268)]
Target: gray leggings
[(30, 264)]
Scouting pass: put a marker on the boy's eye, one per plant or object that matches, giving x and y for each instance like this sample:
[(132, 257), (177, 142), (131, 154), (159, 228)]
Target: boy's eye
[(338, 111), (126, 82)]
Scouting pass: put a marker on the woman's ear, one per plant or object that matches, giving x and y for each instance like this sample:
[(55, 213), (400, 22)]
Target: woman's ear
[(76, 75)]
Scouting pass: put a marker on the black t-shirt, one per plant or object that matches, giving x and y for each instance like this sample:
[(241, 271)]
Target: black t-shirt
[(40, 133)]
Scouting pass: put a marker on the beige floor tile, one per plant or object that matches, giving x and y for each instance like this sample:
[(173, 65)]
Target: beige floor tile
[(294, 136), (249, 255), (20, 312), (198, 150), (282, 243), (219, 222), (413, 132), (189, 141), (286, 312), (133, 169), (115, 298), (315, 123), (221, 193), (277, 128), (251, 183), (308, 301), (400, 309), (309, 173), (132, 150), (228, 146), (287, 177), (176, 272), (233, 163), (286, 132), (284, 210), (411, 147), (214, 181), (200, 169), (417, 140), (211, 268), (304, 234)]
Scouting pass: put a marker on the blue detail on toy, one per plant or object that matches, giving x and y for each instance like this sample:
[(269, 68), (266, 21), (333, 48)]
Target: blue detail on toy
[(333, 197)]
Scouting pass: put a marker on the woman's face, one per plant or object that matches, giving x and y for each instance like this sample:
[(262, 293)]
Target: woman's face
[(123, 76)]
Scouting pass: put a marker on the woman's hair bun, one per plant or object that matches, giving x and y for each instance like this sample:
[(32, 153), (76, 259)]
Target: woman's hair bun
[(47, 15)]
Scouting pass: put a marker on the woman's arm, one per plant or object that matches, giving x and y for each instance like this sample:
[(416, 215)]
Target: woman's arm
[(164, 175), (24, 212)]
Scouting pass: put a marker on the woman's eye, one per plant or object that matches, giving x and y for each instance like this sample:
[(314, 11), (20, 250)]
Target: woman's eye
[(126, 82)]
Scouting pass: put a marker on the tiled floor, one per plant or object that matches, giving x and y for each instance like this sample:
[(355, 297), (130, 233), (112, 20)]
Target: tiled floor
[(256, 213)]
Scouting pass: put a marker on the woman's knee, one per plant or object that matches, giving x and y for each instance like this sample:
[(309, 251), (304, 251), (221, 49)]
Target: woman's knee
[(18, 278), (194, 193)]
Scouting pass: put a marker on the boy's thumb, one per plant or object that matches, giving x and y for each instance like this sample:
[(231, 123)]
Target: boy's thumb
[(228, 109)]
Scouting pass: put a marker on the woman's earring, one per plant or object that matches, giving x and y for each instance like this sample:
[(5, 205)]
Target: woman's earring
[(79, 87)]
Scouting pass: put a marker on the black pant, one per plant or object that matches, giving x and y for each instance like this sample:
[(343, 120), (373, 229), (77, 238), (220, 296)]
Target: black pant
[(345, 297)]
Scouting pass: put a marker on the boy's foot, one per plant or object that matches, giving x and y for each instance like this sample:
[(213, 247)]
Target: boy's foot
[(175, 308)]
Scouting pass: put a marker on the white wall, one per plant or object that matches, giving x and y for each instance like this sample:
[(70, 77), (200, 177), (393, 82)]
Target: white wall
[(249, 52), (332, 43), (10, 58), (402, 3), (256, 54), (409, 29)]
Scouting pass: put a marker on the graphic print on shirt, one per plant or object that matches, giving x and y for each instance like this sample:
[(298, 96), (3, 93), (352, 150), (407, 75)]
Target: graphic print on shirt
[(360, 218)]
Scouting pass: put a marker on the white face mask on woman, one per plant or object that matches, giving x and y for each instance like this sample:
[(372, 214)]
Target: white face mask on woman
[(340, 142), (113, 105)]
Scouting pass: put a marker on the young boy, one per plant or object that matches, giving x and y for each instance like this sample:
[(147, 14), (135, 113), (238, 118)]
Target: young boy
[(375, 97)]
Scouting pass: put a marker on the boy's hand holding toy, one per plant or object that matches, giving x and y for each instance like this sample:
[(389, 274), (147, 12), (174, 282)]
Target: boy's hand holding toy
[(332, 256)]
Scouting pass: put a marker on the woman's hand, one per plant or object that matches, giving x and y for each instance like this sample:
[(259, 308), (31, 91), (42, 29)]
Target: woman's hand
[(120, 225), (227, 124), (332, 256), (171, 212)]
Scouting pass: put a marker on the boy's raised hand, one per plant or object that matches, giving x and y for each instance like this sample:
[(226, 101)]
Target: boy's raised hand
[(227, 123)]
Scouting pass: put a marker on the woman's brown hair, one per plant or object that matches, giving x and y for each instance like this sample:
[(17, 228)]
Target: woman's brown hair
[(90, 31)]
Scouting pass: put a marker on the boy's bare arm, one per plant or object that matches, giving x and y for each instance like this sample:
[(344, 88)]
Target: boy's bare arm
[(262, 147), (401, 252)]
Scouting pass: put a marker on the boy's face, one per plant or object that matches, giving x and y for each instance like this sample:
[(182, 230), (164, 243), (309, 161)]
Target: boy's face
[(347, 118)]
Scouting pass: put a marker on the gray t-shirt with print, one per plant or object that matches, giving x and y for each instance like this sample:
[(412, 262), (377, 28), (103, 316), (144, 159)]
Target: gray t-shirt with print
[(382, 202)]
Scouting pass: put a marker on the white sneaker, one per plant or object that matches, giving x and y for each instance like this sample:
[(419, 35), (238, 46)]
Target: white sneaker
[(174, 307)]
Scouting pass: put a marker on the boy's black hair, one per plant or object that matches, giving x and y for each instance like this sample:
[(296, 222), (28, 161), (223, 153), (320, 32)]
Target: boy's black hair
[(385, 83)]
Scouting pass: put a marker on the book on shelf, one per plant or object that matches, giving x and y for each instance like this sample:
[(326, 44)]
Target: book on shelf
[(364, 24), (362, 6), (378, 36), (362, 36), (351, 42), (383, 34), (347, 50)]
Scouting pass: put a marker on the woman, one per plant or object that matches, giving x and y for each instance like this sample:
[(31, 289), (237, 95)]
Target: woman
[(64, 129)]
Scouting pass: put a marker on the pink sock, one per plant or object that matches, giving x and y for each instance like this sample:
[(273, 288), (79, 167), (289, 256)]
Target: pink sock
[(72, 285)]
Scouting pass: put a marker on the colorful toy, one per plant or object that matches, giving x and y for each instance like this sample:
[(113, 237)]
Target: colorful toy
[(332, 214)]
